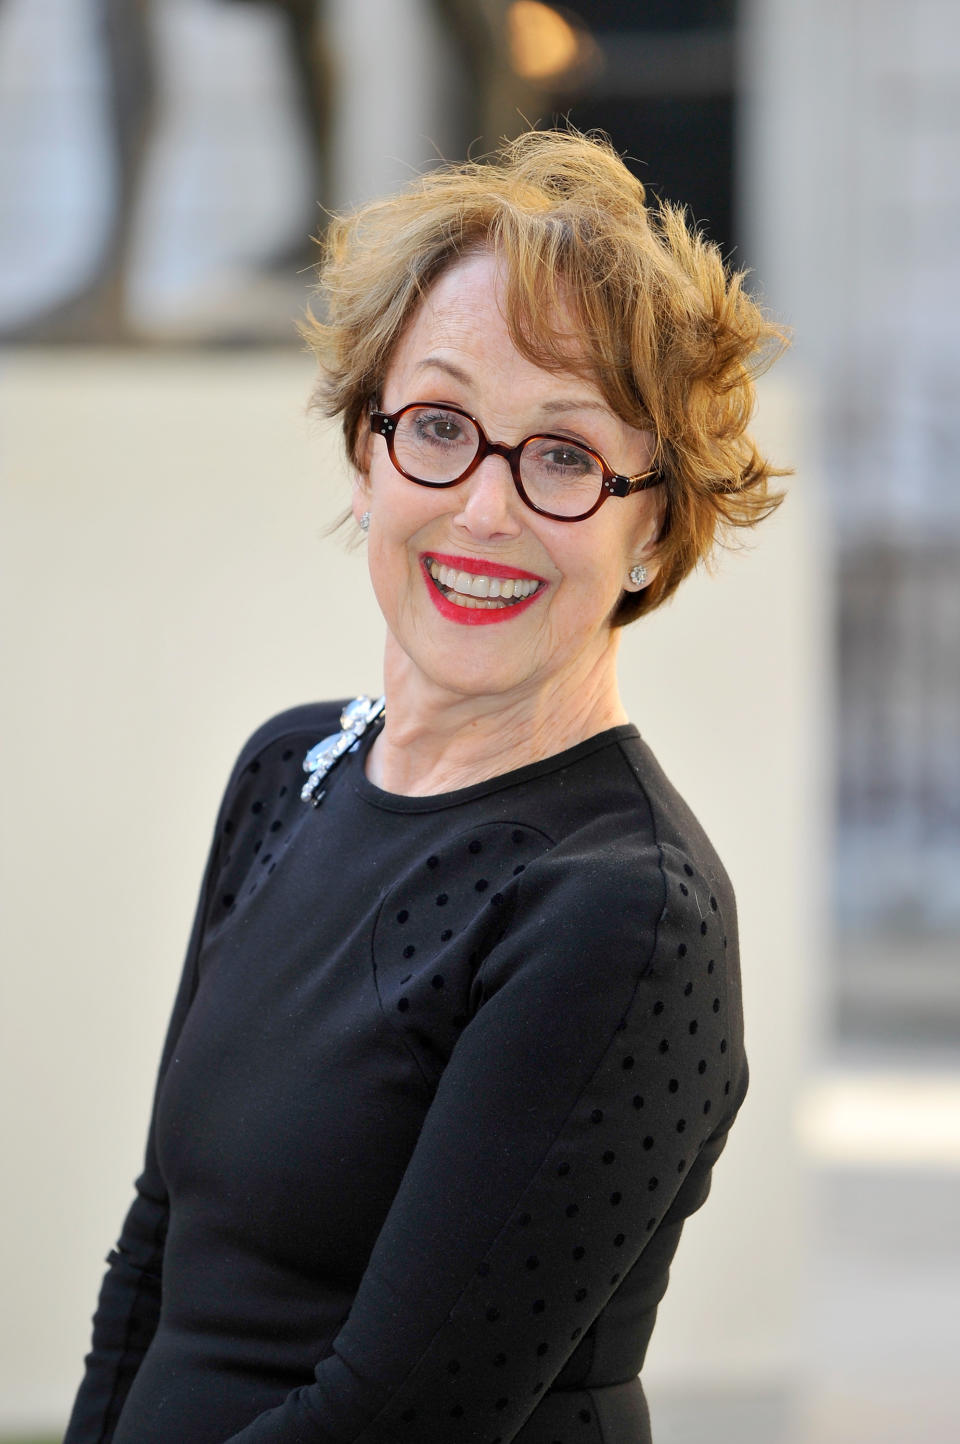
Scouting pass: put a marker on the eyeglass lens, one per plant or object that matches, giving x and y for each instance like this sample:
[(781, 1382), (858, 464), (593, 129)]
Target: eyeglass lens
[(437, 446)]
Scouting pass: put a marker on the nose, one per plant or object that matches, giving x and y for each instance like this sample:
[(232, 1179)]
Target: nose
[(489, 504)]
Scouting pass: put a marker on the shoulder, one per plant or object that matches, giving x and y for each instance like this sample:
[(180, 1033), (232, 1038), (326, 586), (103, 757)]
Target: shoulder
[(673, 822), (262, 797), (306, 723), (630, 913), (630, 880), (625, 844), (611, 893), (279, 745), (611, 929)]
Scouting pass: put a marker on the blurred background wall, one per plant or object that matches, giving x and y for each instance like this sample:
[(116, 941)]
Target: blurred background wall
[(167, 585)]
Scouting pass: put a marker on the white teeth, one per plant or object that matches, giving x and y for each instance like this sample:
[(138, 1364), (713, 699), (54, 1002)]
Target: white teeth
[(471, 589)]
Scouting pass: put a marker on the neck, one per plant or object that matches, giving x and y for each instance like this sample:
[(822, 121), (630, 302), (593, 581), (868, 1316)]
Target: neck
[(435, 740)]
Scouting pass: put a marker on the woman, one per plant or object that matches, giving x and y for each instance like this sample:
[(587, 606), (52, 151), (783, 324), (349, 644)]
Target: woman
[(459, 1034)]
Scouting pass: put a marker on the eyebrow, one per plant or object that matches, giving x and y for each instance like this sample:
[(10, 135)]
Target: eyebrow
[(436, 363), (575, 403), (549, 408)]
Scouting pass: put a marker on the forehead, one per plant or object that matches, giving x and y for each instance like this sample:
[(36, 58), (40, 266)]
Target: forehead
[(461, 322), (461, 310)]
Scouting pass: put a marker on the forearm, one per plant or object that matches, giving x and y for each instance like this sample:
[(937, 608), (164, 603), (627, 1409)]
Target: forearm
[(123, 1325)]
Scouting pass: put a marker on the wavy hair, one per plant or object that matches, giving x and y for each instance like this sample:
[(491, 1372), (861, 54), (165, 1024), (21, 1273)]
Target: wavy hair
[(662, 327)]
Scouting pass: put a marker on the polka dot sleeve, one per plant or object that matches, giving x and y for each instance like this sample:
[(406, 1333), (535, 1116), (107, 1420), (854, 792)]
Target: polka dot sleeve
[(573, 1126), (128, 1306)]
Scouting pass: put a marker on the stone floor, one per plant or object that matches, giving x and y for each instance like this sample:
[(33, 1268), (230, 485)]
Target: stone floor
[(879, 1361)]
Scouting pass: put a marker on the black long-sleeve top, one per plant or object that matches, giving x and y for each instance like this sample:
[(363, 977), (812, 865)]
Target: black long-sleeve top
[(444, 1077)]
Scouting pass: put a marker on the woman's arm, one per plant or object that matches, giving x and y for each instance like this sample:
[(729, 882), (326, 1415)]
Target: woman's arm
[(583, 1105), (124, 1322), (129, 1302)]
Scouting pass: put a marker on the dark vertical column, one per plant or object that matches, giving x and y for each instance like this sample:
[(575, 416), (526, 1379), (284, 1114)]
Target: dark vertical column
[(666, 93)]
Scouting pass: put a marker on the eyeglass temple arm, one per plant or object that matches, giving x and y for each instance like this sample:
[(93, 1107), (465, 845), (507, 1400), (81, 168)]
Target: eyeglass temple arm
[(627, 485)]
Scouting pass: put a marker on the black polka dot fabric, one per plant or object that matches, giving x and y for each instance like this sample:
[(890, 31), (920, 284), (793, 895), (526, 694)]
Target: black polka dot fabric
[(443, 1080)]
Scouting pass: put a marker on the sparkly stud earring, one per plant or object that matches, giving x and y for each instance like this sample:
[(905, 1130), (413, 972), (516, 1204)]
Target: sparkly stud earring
[(364, 522), (638, 574)]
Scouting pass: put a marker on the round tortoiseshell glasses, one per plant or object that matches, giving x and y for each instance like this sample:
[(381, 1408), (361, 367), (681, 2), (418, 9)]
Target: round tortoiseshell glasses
[(441, 445)]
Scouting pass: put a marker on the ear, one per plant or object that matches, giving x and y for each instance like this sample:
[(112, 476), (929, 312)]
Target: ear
[(647, 539), (360, 479), (359, 495)]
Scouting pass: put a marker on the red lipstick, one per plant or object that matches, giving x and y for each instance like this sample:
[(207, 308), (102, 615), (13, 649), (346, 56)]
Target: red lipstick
[(481, 568), (477, 616)]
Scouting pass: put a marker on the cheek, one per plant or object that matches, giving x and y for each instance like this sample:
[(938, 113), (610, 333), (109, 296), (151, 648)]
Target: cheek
[(393, 553), (401, 506), (601, 570)]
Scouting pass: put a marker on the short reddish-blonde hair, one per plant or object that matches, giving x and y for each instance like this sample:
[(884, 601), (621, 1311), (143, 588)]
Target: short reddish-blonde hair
[(667, 333)]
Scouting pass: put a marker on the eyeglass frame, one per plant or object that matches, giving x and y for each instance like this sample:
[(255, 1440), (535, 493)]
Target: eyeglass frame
[(383, 423)]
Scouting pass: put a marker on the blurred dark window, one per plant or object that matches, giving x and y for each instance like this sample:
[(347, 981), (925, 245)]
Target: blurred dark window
[(665, 92)]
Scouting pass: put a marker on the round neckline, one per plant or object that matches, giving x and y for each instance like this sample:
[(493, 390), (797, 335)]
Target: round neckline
[(433, 802)]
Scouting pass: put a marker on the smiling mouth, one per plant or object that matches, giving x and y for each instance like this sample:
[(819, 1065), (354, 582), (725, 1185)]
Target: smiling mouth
[(475, 591)]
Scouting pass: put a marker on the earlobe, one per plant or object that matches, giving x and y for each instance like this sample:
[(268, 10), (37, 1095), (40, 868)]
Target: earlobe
[(360, 496), (642, 572), (360, 474)]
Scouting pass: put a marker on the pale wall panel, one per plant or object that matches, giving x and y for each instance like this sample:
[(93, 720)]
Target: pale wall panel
[(167, 586)]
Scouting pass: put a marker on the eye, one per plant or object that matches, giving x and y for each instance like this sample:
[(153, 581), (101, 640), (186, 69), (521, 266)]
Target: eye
[(563, 457), (567, 457), (441, 428)]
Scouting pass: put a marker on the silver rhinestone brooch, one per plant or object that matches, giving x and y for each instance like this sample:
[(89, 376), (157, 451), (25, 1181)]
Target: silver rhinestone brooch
[(355, 718)]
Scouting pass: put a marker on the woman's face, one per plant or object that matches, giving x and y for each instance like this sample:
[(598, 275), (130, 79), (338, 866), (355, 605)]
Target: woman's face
[(457, 350)]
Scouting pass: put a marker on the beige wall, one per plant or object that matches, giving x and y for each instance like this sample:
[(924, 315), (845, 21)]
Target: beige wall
[(167, 586)]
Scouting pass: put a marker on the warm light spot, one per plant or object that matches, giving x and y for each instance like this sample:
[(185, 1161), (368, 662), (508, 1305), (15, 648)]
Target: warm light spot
[(542, 43), (883, 1119)]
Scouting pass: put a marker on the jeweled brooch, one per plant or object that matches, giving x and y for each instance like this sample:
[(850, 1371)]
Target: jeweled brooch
[(355, 718)]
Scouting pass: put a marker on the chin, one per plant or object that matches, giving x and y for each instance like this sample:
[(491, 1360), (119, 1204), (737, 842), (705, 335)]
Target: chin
[(478, 683), (456, 670)]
